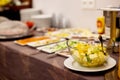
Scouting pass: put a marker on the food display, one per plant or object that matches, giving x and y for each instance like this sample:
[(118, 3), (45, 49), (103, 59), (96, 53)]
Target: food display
[(85, 51), (63, 33), (59, 46), (53, 47), (89, 55), (32, 39), (76, 33), (79, 44), (64, 53), (15, 28), (44, 42)]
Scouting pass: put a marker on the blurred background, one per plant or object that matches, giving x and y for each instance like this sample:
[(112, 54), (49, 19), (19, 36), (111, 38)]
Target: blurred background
[(74, 13)]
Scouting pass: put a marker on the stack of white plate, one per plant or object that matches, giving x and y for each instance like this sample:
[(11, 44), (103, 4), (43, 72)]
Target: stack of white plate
[(26, 14), (42, 21)]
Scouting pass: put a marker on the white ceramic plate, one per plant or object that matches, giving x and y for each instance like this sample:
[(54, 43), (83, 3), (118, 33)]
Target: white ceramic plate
[(73, 65), (44, 42), (51, 47), (47, 48)]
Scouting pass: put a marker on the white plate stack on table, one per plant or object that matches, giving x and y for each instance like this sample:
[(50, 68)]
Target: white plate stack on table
[(42, 21), (26, 14)]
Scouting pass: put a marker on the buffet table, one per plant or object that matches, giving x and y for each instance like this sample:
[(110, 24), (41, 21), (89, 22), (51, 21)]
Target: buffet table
[(26, 63)]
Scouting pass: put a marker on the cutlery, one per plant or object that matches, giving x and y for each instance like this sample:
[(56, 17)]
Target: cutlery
[(101, 41)]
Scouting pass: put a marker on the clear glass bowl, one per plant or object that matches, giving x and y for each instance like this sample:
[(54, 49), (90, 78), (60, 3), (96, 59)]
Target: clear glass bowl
[(91, 56)]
